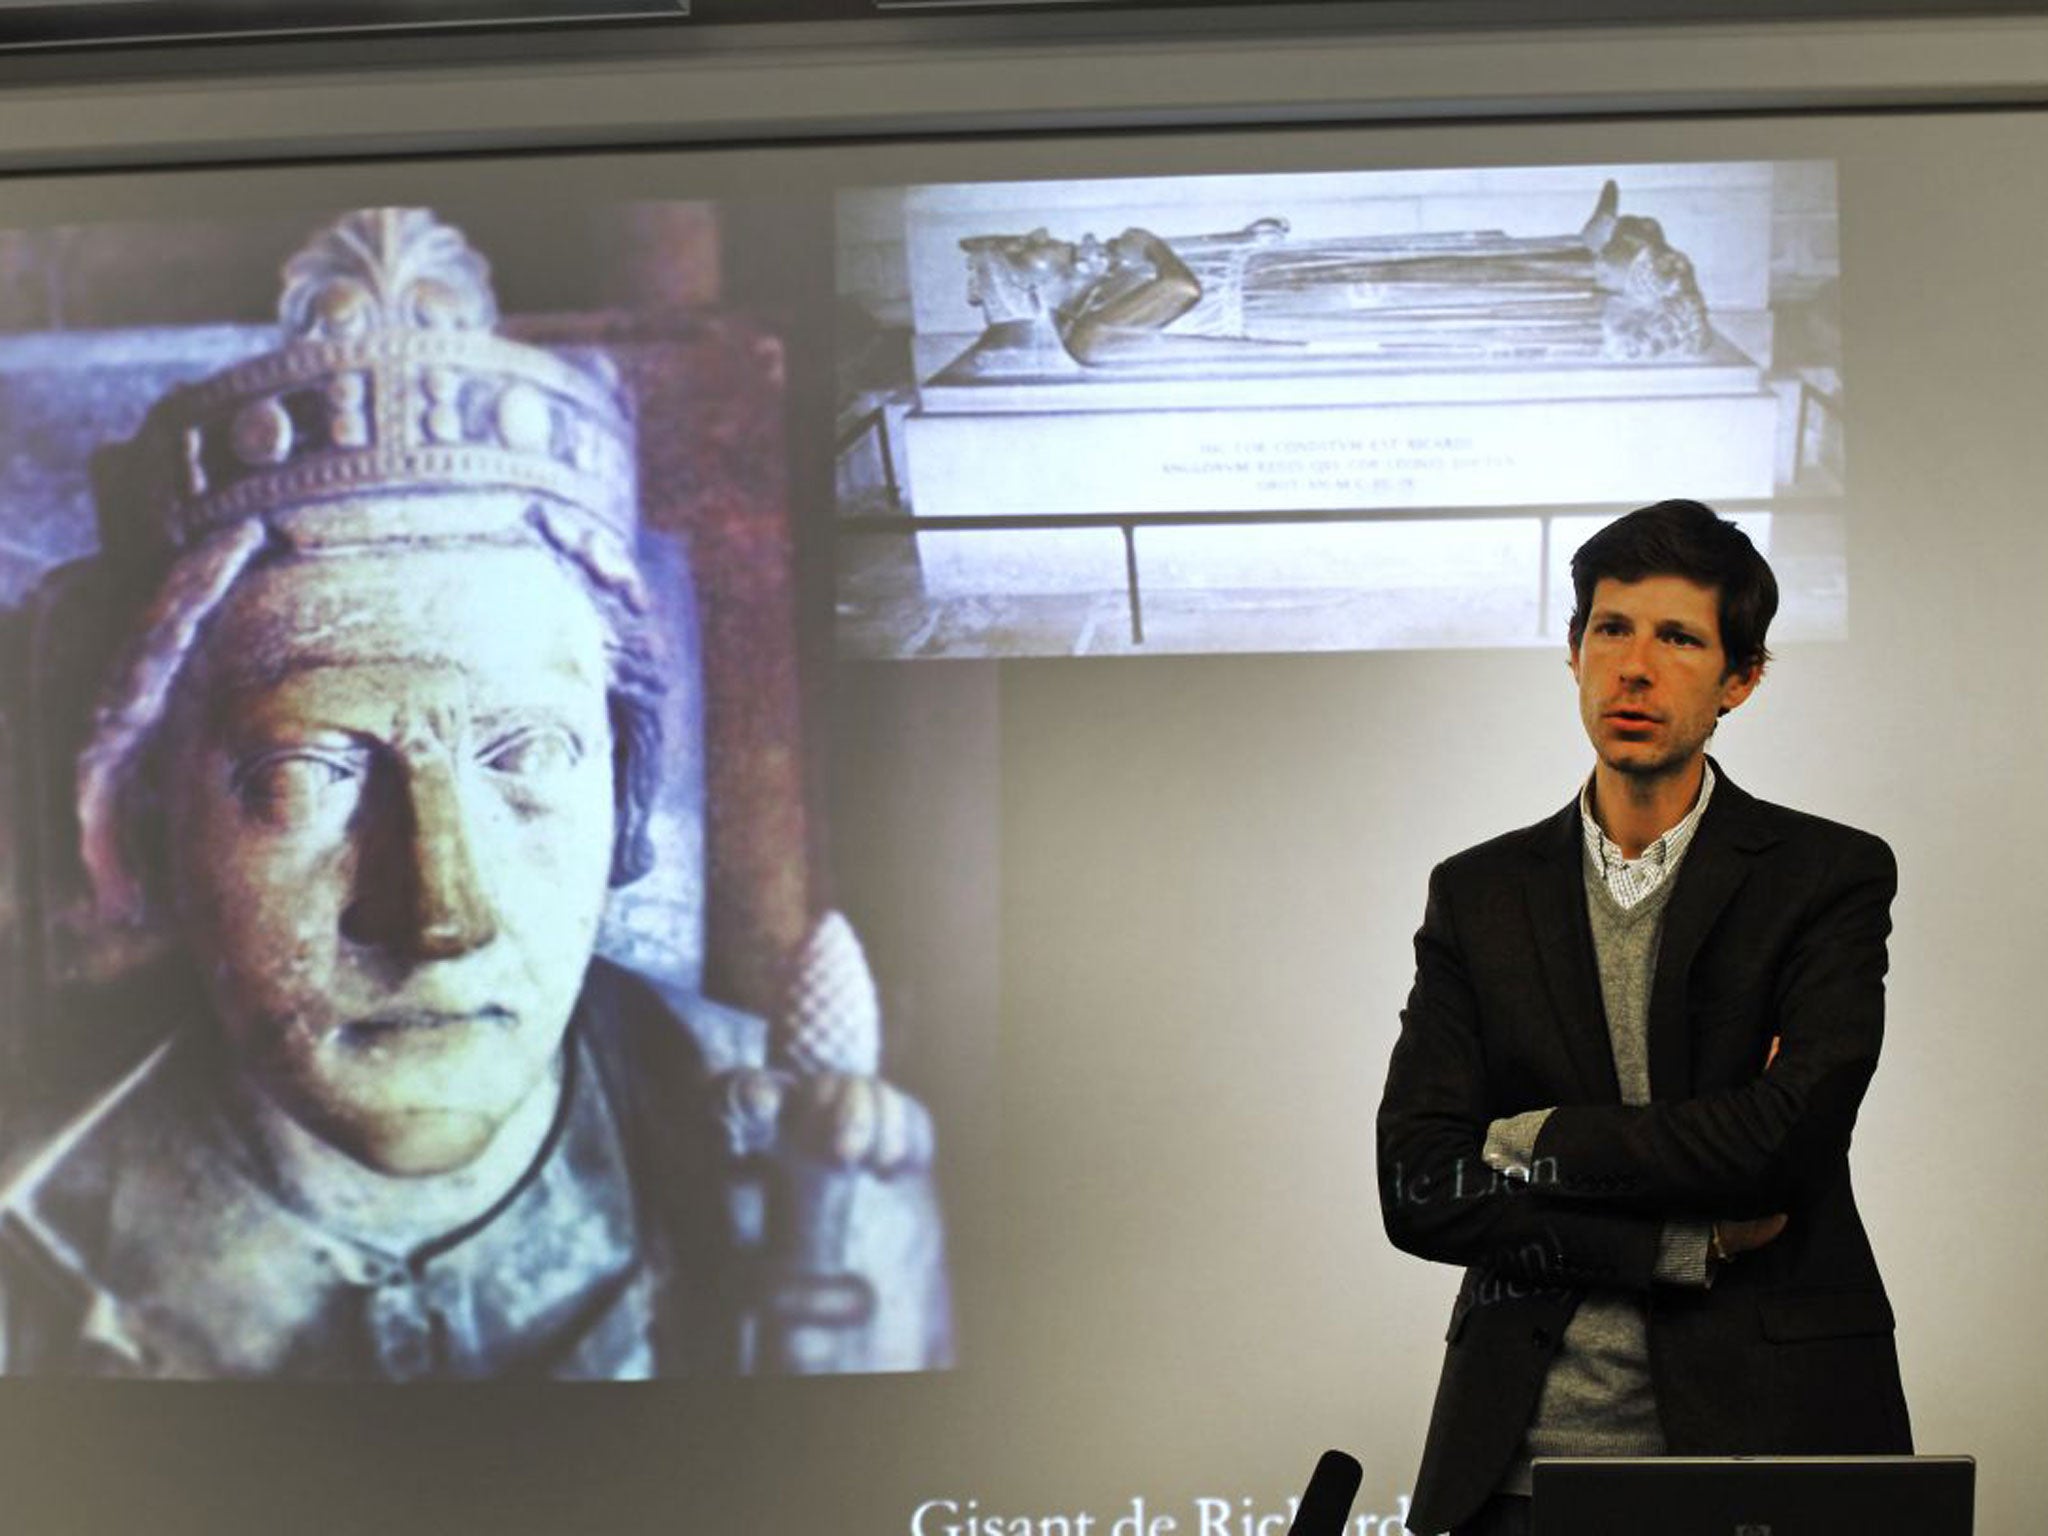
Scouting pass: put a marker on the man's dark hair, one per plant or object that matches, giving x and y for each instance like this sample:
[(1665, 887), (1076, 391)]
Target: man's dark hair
[(1684, 538)]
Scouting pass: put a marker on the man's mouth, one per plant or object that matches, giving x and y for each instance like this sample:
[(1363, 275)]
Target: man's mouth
[(1632, 719), (400, 1023)]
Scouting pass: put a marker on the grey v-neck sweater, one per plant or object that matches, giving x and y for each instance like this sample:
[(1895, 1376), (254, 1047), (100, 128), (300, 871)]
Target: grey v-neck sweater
[(1597, 1399)]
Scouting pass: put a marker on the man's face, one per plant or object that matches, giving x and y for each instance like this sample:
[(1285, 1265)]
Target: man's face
[(1652, 675), (389, 787)]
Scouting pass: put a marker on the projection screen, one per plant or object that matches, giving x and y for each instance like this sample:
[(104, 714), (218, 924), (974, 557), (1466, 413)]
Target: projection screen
[(1047, 731)]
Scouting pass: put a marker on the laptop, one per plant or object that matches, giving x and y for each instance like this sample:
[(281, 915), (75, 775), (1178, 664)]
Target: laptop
[(1753, 1495)]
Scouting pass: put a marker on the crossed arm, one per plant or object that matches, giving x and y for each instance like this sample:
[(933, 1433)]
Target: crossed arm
[(1146, 290), (1608, 1184)]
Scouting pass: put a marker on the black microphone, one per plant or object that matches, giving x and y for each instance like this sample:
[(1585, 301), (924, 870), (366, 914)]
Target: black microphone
[(1326, 1502)]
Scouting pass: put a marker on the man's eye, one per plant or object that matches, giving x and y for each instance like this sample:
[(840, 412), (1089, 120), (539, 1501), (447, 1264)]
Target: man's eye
[(533, 754), (1680, 637), (294, 787)]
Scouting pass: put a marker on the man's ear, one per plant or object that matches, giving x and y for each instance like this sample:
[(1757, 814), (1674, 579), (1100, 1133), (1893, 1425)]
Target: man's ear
[(1739, 685), (1571, 659)]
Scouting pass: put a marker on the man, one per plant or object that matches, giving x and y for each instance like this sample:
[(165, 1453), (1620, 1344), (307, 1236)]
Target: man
[(1627, 1073), (384, 738)]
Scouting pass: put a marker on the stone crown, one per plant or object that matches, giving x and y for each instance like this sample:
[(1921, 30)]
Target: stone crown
[(391, 381)]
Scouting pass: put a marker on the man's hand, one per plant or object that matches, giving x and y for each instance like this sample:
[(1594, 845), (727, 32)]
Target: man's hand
[(835, 1120), (1733, 1237)]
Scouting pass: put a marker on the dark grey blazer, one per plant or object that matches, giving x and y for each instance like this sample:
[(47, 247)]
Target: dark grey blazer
[(1776, 929)]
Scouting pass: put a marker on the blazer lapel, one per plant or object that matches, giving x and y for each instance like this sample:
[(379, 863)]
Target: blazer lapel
[(1555, 890), (1715, 866)]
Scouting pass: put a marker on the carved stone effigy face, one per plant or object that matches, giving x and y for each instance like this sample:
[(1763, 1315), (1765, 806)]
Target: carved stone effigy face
[(389, 785)]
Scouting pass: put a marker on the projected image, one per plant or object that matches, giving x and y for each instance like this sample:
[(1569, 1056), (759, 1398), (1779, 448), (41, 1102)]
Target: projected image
[(415, 964), (1320, 412)]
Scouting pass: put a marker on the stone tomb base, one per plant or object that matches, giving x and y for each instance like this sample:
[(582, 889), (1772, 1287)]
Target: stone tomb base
[(1014, 450)]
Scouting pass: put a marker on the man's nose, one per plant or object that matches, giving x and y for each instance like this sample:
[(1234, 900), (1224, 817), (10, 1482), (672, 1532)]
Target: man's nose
[(1638, 661), (422, 890)]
